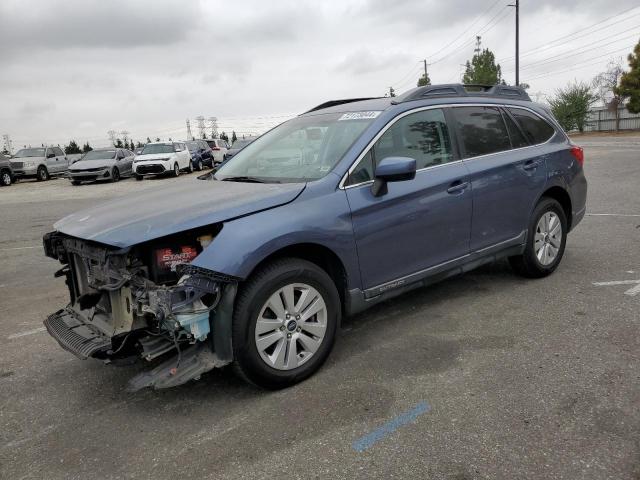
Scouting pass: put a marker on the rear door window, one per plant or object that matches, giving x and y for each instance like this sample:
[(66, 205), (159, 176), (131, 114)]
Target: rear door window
[(482, 130), (518, 140), (538, 130)]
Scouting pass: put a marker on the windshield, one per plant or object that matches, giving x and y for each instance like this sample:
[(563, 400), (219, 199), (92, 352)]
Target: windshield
[(99, 155), (30, 152), (302, 149), (157, 148)]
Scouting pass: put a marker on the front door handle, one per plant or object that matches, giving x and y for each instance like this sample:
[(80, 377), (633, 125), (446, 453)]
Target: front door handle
[(457, 187)]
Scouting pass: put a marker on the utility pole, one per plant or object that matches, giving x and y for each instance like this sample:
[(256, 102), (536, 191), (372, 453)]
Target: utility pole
[(125, 136), (8, 146), (112, 137), (517, 7), (213, 124), (200, 120), (189, 134), (425, 69)]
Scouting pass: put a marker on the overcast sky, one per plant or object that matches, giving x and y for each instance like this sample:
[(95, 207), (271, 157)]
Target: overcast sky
[(75, 69)]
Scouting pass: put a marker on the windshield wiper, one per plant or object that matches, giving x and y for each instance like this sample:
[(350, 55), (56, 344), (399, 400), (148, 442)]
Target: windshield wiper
[(244, 178)]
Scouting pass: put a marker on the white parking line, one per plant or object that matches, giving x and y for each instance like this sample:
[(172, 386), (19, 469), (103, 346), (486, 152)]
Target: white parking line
[(24, 334), (613, 215), (633, 291), (20, 248)]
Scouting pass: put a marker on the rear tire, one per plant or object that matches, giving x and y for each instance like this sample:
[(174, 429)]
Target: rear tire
[(42, 174), (5, 178), (270, 365), (546, 240)]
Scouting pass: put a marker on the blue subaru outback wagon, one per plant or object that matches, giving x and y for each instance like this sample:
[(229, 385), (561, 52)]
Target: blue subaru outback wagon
[(346, 205)]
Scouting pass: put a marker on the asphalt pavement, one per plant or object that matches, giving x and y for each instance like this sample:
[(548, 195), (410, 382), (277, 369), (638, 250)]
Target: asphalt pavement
[(486, 375)]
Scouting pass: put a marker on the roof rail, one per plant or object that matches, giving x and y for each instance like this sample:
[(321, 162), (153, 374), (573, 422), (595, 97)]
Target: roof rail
[(333, 103), (466, 90)]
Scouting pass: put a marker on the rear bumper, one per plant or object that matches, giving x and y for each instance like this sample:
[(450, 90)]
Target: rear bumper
[(75, 336)]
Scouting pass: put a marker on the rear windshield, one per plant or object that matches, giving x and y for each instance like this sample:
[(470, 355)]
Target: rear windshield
[(30, 152), (99, 155), (157, 148)]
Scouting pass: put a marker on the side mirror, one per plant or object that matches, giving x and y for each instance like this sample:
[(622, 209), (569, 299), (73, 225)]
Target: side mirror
[(392, 169)]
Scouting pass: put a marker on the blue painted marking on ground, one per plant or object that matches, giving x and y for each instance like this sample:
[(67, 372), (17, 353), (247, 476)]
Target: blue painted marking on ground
[(370, 439)]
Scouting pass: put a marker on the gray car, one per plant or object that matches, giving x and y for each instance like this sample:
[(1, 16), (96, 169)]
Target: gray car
[(102, 164), (40, 162), (6, 172)]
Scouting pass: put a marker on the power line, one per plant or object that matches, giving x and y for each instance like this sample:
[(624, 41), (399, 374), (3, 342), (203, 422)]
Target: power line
[(564, 56), (555, 72), (580, 33), (463, 33)]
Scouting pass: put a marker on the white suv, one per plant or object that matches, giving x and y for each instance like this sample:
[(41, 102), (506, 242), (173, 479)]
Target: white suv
[(162, 157), (219, 148)]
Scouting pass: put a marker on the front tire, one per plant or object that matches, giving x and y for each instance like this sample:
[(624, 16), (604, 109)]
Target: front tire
[(199, 166), (115, 175), (546, 240), (75, 183), (139, 178), (42, 174), (5, 178), (284, 323), (176, 170)]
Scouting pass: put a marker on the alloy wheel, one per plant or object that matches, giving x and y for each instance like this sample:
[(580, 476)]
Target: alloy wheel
[(6, 179), (291, 326), (548, 238)]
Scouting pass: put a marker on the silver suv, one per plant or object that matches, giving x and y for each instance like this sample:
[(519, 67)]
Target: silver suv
[(40, 162)]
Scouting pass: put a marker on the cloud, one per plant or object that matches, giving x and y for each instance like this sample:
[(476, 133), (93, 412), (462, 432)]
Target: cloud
[(59, 24)]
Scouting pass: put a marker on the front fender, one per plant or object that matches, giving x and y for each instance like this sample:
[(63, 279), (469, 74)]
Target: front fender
[(313, 218)]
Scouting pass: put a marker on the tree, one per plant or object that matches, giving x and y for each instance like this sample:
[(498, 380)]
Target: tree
[(139, 145), (630, 81), (606, 84), (571, 105), (148, 140), (118, 143), (157, 139), (72, 148), (86, 148), (234, 137), (223, 136), (482, 69), (424, 80)]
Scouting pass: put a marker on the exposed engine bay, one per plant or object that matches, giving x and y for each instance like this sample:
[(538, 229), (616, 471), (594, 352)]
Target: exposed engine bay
[(144, 302)]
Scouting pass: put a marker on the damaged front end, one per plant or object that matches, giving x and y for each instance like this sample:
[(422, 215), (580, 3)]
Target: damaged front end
[(144, 302)]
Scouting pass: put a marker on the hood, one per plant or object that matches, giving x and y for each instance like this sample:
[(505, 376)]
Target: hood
[(144, 216), (86, 164), (153, 156)]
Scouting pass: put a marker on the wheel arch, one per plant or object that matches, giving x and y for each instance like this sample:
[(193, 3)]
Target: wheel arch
[(561, 195), (319, 255)]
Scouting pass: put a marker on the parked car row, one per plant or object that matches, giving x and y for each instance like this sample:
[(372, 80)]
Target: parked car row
[(112, 163)]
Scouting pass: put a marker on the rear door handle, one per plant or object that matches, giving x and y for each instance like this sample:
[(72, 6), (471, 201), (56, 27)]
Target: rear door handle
[(457, 187), (531, 164)]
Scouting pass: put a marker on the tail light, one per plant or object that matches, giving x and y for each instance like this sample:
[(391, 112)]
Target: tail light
[(578, 153), (215, 148)]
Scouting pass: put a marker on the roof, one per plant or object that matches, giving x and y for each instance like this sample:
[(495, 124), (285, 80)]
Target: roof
[(429, 92)]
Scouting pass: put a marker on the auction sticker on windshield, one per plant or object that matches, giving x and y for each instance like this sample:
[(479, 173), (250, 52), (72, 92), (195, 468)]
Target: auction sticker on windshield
[(359, 115)]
